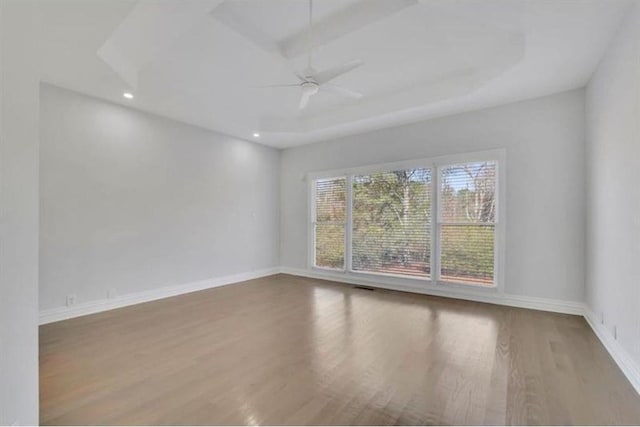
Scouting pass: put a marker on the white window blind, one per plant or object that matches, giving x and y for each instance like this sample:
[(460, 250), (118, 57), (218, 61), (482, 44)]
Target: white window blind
[(329, 222), (467, 222), (392, 223)]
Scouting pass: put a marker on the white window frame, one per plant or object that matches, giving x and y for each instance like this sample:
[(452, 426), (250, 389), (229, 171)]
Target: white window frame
[(434, 164)]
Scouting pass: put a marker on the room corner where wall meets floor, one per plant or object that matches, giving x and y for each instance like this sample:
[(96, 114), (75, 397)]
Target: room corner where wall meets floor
[(57, 314)]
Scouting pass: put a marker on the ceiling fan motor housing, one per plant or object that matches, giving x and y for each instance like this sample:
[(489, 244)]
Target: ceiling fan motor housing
[(311, 88)]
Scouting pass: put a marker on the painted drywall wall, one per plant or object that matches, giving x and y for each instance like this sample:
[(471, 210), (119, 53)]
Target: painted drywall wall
[(132, 202), (544, 142), (613, 198), (18, 213)]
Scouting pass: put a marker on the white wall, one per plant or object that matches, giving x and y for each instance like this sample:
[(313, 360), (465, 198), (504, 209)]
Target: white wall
[(18, 213), (544, 141), (613, 195), (136, 202)]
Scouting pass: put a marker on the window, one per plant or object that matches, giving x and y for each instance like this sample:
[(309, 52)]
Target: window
[(467, 222), (392, 222), (434, 220), (329, 222)]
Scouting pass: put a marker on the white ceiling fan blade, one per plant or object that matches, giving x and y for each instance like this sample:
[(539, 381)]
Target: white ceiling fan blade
[(330, 74), (300, 77), (270, 86), (304, 99), (338, 90)]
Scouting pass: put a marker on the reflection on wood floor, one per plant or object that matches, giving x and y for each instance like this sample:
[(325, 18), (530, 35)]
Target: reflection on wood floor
[(291, 350)]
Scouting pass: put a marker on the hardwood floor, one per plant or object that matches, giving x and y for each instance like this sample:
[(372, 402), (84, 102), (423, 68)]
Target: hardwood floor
[(290, 350)]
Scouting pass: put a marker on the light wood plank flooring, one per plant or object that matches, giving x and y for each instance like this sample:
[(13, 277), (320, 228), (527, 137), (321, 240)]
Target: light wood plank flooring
[(289, 350)]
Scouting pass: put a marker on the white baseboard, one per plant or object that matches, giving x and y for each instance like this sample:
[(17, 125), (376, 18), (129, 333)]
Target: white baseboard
[(91, 307), (544, 304), (622, 358)]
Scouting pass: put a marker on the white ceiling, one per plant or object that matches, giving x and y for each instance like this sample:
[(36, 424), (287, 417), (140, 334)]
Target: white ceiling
[(203, 61)]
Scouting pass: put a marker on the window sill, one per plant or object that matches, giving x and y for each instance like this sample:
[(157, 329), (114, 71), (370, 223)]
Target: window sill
[(467, 286), (411, 283)]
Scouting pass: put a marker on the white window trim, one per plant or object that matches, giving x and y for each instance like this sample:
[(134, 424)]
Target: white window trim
[(434, 163)]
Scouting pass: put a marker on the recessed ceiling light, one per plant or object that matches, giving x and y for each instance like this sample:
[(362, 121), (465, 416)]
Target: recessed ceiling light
[(256, 135), (128, 95)]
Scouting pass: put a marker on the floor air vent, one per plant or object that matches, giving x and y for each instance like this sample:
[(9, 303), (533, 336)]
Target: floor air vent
[(364, 288)]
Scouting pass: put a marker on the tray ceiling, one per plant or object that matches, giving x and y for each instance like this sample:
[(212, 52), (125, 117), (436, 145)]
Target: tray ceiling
[(204, 62)]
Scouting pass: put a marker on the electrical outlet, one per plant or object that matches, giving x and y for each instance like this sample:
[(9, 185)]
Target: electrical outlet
[(112, 293), (71, 300)]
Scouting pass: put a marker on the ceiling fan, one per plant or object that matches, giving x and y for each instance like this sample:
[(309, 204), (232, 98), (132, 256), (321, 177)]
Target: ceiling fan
[(312, 81)]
